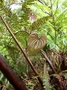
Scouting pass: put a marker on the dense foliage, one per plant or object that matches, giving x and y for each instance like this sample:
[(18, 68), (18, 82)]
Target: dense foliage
[(47, 17)]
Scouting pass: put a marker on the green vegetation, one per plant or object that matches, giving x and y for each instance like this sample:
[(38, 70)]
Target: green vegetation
[(47, 17)]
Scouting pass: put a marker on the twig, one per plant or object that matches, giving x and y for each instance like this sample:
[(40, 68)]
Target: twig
[(48, 60), (20, 32)]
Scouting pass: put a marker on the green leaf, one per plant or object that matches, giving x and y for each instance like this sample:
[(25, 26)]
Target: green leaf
[(22, 37), (39, 23)]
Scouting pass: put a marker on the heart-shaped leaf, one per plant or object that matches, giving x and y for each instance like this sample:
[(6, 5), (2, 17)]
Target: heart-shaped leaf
[(35, 43)]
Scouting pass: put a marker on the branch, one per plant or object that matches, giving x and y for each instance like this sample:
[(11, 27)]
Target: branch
[(48, 60), (11, 76), (21, 31)]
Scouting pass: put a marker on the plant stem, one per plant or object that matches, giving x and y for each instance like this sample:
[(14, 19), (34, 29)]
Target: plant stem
[(48, 60)]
